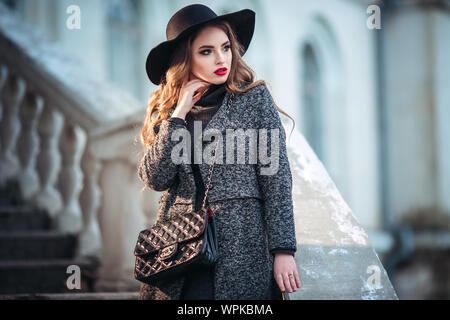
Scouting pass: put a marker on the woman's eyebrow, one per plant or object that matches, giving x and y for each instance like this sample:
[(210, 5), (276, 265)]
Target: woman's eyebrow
[(205, 46)]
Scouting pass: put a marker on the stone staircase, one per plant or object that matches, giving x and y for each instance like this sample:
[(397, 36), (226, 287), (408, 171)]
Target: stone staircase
[(34, 257)]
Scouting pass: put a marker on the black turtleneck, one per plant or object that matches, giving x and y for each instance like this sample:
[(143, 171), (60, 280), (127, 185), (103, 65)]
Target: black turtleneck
[(206, 107)]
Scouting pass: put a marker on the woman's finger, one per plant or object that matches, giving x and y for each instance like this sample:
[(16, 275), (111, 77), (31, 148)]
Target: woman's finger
[(200, 91), (203, 87), (279, 279), (292, 281), (297, 279), (197, 82), (287, 283)]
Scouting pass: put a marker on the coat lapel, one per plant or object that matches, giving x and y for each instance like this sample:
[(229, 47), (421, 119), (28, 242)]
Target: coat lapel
[(217, 121)]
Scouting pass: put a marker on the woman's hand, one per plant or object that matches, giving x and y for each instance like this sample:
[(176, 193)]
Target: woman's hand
[(285, 272), (187, 99)]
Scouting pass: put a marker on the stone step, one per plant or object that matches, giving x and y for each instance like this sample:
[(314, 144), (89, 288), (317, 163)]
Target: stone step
[(45, 276), (16, 218), (73, 296), (4, 200), (36, 245), (10, 193)]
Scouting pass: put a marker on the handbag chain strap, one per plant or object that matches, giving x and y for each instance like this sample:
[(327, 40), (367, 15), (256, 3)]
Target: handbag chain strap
[(211, 167)]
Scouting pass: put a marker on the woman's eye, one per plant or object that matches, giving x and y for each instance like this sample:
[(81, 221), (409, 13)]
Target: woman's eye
[(206, 52)]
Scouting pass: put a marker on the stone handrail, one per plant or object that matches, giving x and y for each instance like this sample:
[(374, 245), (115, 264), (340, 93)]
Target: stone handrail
[(334, 256)]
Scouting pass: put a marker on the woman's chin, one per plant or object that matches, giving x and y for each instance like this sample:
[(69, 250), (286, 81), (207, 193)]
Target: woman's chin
[(217, 81)]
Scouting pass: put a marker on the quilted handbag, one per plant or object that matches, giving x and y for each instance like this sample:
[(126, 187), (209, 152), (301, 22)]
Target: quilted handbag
[(172, 246)]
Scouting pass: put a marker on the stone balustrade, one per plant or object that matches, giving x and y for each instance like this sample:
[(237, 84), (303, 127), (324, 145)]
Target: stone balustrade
[(57, 121)]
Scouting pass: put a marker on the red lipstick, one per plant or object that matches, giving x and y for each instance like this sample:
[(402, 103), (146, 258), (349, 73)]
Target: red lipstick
[(221, 71)]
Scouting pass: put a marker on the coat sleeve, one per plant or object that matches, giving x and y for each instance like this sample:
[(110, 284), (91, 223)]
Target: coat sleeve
[(275, 184), (156, 168), (281, 250)]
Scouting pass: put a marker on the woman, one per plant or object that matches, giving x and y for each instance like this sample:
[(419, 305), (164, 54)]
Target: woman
[(205, 85)]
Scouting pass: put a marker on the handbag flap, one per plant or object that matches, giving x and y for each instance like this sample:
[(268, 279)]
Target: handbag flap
[(183, 227)]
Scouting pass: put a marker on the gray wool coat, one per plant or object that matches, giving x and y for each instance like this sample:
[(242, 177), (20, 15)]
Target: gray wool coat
[(253, 210)]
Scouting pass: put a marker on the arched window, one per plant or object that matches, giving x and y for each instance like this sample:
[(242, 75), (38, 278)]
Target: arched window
[(123, 25), (311, 101)]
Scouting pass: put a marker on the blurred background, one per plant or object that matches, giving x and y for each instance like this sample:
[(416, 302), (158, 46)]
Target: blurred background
[(367, 83)]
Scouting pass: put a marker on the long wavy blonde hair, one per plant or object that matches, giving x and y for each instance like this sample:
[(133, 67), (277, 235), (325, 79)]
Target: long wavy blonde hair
[(163, 101)]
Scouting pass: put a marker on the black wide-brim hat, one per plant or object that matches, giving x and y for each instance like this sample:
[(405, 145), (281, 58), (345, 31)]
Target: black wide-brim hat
[(188, 20)]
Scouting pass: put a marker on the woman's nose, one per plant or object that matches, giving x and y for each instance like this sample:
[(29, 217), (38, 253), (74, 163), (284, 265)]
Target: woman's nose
[(220, 58)]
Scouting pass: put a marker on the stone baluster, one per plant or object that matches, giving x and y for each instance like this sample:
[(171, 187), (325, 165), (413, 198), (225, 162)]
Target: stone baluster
[(49, 160), (90, 242), (28, 145), (12, 95), (70, 181), (3, 76)]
